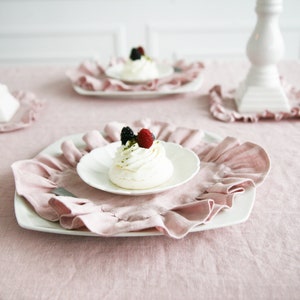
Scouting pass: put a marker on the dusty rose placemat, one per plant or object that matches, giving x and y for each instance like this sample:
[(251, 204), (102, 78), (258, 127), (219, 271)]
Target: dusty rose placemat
[(223, 107), (227, 169), (90, 75), (30, 107)]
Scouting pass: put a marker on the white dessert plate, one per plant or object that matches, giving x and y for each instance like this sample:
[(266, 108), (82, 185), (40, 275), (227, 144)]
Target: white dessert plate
[(93, 169), (190, 87), (115, 71), (27, 218)]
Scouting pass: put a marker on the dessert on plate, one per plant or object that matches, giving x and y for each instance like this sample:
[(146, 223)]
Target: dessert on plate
[(140, 162), (139, 67)]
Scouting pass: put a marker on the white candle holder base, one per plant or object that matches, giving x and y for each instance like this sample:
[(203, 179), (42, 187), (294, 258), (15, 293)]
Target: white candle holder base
[(262, 89), (257, 99)]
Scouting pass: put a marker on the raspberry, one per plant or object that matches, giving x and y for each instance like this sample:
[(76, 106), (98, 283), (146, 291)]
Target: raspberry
[(141, 50), (145, 138), (135, 54), (126, 135)]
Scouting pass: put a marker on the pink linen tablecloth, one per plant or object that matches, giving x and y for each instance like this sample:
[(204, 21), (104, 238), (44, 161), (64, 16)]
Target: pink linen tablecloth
[(258, 259)]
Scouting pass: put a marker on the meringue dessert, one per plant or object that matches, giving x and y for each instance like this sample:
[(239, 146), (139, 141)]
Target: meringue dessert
[(8, 104), (139, 67), (140, 162)]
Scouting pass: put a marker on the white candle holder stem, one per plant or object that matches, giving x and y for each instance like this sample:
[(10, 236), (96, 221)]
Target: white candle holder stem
[(262, 89)]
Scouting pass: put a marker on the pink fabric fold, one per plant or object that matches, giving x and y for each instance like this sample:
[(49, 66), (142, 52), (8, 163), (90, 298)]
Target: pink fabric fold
[(27, 113), (90, 75), (223, 108), (227, 169)]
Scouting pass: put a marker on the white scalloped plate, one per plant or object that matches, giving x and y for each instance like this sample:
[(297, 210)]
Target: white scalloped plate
[(189, 87), (28, 219)]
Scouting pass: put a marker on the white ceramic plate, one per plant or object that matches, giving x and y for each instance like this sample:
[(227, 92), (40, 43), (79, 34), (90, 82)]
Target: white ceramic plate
[(115, 71), (192, 86), (28, 219), (93, 169)]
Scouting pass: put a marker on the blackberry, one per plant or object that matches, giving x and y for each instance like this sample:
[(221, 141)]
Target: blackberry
[(126, 135), (135, 54)]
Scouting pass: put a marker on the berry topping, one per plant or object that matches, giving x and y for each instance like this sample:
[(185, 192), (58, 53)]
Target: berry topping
[(145, 138), (126, 135), (141, 50), (135, 54)]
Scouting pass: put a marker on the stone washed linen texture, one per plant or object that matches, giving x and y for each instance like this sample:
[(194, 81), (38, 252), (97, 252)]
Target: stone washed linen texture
[(227, 169), (27, 113), (258, 259), (90, 75)]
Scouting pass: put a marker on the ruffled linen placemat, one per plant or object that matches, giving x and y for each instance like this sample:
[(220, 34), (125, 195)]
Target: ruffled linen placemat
[(90, 75), (223, 108), (227, 169), (27, 113)]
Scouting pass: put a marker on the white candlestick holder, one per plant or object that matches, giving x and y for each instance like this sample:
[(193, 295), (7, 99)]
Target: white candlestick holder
[(262, 88)]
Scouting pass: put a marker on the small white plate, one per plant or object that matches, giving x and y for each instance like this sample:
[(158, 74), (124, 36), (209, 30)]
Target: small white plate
[(190, 87), (27, 218), (115, 71), (93, 169)]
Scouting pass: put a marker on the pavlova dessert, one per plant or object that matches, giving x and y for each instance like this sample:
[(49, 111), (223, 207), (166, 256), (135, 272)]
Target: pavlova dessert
[(139, 67), (140, 162)]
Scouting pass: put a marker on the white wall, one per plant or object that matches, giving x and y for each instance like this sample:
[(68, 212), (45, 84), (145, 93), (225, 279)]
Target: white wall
[(72, 30)]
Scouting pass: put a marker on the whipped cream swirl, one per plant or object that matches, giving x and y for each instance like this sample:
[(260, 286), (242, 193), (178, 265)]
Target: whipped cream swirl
[(140, 168), (140, 70)]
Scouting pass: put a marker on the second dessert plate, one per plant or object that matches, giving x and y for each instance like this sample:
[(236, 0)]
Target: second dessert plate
[(93, 169), (189, 87)]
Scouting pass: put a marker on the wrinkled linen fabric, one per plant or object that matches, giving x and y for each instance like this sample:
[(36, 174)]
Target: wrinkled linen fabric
[(26, 114), (222, 107), (228, 168), (90, 75)]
